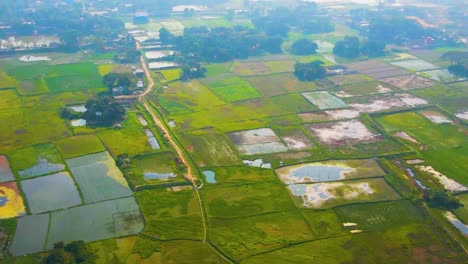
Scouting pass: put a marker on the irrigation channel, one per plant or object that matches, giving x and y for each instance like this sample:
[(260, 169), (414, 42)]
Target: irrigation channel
[(180, 153)]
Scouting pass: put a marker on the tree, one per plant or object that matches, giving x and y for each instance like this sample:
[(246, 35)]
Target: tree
[(347, 48), (69, 39), (459, 70), (110, 79), (81, 252), (192, 70), (124, 81), (304, 47), (309, 71), (373, 48)]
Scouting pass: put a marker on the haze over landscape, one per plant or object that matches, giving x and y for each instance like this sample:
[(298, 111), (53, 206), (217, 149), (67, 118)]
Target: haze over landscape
[(233, 131)]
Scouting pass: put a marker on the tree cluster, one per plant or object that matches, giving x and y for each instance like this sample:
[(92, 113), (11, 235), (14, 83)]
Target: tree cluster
[(305, 17), (441, 199), (222, 44), (102, 111), (75, 252), (351, 47), (304, 47), (113, 79), (309, 71)]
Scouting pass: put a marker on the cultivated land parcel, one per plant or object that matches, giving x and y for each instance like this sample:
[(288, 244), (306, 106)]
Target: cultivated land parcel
[(329, 171)]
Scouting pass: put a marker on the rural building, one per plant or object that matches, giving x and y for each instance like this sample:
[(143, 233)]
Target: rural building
[(140, 84), (139, 73)]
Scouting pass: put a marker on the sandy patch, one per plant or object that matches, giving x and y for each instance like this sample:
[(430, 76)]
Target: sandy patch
[(29, 58), (449, 184), (344, 132), (462, 115), (379, 104), (411, 100), (342, 114), (314, 195), (405, 136), (435, 117), (349, 224), (415, 161)]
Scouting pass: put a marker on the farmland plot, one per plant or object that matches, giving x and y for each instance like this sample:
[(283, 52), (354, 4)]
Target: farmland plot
[(347, 79), (211, 150), (98, 177), (11, 202), (9, 99), (376, 69), (376, 104), (376, 216), (277, 84), (50, 193), (415, 65), (441, 75), (171, 215), (343, 133), (330, 194), (408, 82), (241, 237), (363, 88), (231, 88), (79, 145), (324, 100), (295, 139), (250, 68), (258, 141), (246, 200)]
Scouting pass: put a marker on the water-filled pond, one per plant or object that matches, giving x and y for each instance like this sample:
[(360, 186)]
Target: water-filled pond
[(209, 176)]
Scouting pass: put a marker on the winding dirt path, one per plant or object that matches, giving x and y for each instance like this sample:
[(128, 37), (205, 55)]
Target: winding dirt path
[(190, 176)]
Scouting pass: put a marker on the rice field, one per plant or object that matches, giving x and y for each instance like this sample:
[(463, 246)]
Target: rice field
[(231, 89)]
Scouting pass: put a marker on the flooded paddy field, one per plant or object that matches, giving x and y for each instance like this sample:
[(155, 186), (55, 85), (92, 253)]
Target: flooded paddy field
[(98, 177), (50, 193)]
